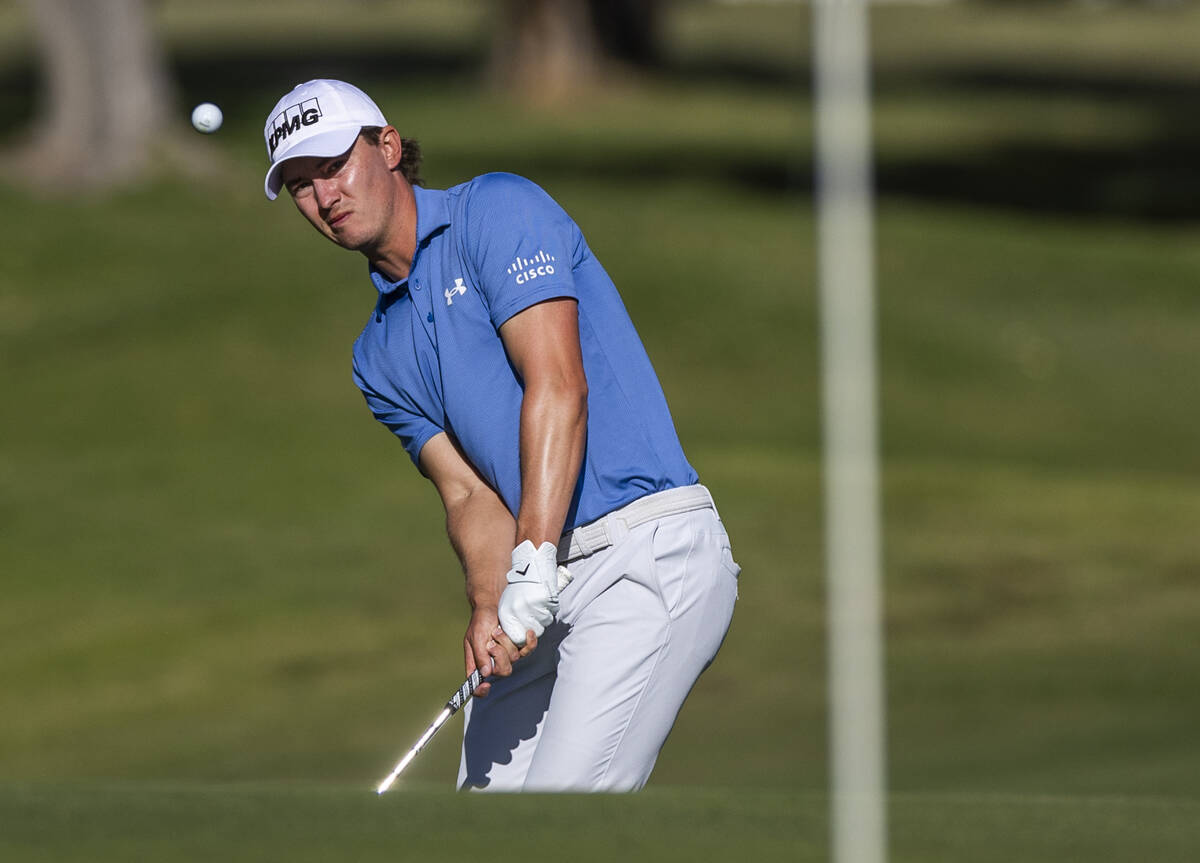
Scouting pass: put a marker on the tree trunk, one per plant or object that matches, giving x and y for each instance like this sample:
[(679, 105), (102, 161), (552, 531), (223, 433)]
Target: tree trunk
[(544, 49), (547, 50), (107, 99)]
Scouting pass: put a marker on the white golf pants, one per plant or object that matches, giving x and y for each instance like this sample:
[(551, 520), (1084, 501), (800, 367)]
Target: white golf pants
[(591, 707)]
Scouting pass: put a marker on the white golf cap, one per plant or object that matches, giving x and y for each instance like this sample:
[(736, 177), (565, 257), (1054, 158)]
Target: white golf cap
[(318, 118)]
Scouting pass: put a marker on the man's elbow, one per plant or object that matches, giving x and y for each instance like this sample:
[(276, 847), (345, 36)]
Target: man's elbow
[(465, 506), (579, 394), (566, 393), (576, 397)]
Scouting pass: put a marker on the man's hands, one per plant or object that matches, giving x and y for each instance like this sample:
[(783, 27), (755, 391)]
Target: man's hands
[(530, 602), (526, 607), (486, 647)]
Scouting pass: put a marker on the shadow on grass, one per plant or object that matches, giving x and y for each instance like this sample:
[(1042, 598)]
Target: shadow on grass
[(1149, 179), (1152, 179)]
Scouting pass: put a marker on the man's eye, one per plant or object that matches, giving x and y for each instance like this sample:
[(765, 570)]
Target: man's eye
[(300, 187), (335, 166)]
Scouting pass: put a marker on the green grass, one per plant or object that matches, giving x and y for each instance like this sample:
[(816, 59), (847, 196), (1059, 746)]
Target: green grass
[(228, 602), (306, 823), (170, 822)]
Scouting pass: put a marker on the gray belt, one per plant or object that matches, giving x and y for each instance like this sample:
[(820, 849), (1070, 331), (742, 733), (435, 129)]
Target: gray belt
[(590, 538)]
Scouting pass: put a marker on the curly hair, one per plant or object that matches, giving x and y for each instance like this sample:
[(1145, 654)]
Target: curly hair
[(410, 158)]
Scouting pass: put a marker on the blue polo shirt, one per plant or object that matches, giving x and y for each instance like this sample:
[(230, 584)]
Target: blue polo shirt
[(430, 358)]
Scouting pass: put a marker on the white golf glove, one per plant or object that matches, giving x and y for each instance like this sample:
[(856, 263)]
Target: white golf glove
[(531, 599)]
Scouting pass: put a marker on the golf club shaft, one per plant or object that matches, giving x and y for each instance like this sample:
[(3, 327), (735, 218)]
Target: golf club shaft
[(457, 700)]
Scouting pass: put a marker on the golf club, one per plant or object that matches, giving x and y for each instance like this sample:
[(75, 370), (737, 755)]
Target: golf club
[(457, 700)]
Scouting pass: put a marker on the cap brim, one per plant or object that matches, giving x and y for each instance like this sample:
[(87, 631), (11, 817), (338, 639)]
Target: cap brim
[(323, 145)]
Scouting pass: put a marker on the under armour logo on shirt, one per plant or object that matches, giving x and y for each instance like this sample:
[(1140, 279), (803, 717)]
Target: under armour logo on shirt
[(459, 288)]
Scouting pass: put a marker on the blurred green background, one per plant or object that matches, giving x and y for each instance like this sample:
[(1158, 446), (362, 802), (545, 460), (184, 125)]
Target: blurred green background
[(228, 601)]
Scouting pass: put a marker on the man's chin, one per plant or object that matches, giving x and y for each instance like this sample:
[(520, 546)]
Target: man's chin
[(347, 240)]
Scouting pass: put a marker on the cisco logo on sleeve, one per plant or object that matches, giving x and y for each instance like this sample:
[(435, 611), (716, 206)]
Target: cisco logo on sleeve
[(528, 269)]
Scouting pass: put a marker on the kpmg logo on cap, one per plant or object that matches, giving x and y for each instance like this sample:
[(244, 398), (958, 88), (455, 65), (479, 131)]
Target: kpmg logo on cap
[(290, 119)]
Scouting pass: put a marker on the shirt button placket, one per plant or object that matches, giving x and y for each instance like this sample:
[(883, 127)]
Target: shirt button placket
[(416, 283), (417, 287)]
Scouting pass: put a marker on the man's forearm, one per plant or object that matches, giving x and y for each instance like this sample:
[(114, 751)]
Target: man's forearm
[(553, 436), (483, 534)]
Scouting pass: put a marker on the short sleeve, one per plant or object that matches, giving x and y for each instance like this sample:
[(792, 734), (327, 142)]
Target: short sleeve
[(522, 244), (406, 422)]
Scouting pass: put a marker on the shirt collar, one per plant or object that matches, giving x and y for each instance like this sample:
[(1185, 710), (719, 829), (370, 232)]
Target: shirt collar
[(433, 211), (433, 214)]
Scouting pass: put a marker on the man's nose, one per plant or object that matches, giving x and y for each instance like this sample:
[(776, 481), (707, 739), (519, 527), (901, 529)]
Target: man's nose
[(325, 192)]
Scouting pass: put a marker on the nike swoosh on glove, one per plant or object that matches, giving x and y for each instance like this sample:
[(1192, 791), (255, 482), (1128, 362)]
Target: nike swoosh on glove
[(531, 599)]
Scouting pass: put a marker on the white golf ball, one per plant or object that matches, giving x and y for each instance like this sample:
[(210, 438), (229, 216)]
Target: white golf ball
[(207, 117)]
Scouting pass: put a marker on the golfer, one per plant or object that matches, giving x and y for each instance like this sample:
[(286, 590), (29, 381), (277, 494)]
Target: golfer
[(599, 575)]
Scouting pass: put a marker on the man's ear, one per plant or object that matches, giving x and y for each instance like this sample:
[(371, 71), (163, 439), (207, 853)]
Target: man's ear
[(390, 146)]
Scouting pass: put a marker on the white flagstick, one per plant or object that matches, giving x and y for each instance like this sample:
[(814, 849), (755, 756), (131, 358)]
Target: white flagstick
[(457, 700), (844, 203)]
